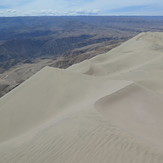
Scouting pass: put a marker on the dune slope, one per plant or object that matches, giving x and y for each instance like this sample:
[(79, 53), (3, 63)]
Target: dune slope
[(106, 109)]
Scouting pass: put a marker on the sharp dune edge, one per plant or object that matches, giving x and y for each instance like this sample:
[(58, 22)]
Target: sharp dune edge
[(107, 109)]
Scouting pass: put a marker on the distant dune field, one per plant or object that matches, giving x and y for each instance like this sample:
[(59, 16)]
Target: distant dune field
[(107, 109)]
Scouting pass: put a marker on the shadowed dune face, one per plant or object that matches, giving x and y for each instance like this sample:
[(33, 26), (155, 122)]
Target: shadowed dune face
[(106, 109), (136, 110)]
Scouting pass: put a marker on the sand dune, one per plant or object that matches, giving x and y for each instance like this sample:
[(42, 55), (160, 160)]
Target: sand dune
[(106, 109), (131, 55)]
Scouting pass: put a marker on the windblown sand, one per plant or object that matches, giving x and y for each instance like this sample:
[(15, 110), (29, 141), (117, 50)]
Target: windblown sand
[(108, 109)]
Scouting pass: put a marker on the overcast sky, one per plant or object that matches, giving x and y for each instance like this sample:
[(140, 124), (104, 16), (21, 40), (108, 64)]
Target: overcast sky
[(80, 7)]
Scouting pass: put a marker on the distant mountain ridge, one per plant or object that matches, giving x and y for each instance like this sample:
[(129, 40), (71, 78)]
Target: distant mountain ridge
[(28, 38)]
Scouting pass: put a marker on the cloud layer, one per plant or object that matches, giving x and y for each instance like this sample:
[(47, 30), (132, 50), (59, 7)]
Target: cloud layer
[(80, 7), (50, 12)]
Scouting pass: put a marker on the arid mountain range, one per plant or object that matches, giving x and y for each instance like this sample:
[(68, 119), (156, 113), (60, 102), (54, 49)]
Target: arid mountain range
[(27, 44)]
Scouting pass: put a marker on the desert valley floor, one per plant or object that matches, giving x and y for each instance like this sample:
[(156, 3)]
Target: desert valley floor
[(108, 109)]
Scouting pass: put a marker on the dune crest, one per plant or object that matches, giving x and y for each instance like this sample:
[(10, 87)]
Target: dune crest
[(106, 109)]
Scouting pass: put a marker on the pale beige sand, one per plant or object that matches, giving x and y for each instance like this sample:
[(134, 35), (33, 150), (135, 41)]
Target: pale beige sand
[(107, 109)]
